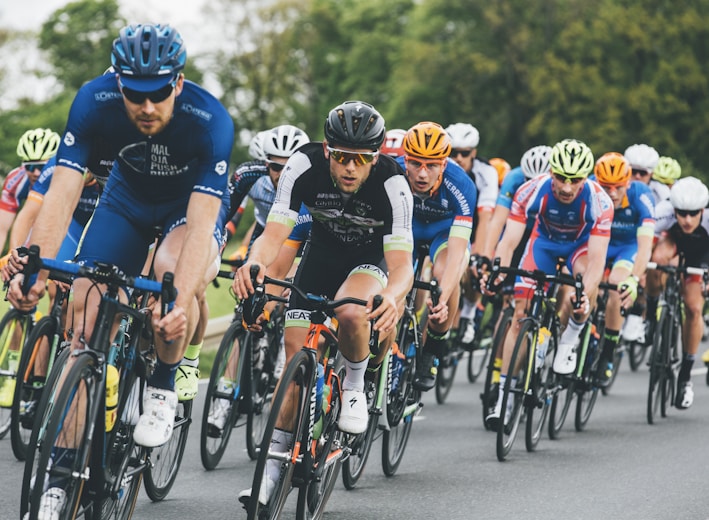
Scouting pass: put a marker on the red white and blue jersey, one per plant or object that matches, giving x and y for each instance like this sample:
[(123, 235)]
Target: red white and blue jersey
[(14, 190), (590, 213)]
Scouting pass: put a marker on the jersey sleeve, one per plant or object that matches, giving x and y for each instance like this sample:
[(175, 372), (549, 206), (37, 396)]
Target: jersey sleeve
[(464, 197), (213, 166), (523, 199), (602, 207), (291, 187), (486, 183), (510, 183), (400, 236)]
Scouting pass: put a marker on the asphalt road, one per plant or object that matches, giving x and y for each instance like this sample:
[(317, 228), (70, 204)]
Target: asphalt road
[(619, 468)]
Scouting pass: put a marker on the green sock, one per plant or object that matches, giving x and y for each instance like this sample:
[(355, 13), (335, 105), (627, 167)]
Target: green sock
[(192, 354)]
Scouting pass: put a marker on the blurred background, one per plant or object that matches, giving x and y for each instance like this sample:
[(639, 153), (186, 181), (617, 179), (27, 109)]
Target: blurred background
[(609, 72)]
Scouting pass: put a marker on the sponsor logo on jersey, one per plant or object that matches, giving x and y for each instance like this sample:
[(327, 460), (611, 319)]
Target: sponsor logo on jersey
[(221, 167), (69, 139)]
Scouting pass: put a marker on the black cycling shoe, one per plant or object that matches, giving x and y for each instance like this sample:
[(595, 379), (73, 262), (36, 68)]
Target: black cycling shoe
[(425, 376)]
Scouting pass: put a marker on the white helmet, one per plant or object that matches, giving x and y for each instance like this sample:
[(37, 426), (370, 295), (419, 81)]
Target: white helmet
[(642, 157), (283, 140), (463, 135), (689, 194), (256, 146), (535, 161)]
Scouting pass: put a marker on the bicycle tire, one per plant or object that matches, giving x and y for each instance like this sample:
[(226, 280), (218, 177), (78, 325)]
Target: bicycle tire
[(636, 354), (482, 346), (326, 462), (80, 383), (506, 433), (361, 445), (490, 391), (213, 443), (537, 412), (165, 460), (27, 387), (125, 461), (657, 367), (259, 384), (12, 316), (560, 405), (448, 363), (296, 384), (588, 389), (618, 356)]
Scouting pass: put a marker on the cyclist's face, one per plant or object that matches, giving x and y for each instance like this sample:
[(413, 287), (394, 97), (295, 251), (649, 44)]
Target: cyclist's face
[(566, 190), (616, 193), (688, 221), (275, 167), (423, 175), (464, 157), (151, 118), (349, 176)]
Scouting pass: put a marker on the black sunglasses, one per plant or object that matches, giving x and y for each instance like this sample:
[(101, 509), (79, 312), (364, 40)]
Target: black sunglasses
[(687, 212), (156, 96), (638, 171), (32, 166), (464, 153), (275, 166)]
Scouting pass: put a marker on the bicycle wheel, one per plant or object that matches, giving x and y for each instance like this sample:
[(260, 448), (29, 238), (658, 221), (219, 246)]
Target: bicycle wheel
[(260, 384), (165, 460), (361, 445), (447, 366), (68, 426), (213, 441), (563, 395), (588, 389), (12, 335), (125, 461), (618, 356), (292, 399), (539, 400), (483, 344), (491, 390), (636, 354), (28, 389), (658, 372), (327, 454)]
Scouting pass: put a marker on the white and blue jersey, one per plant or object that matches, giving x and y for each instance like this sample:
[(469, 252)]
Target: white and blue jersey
[(152, 177), (510, 184)]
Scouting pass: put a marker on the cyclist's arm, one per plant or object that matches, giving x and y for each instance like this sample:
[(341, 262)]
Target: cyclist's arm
[(25, 220), (6, 219), (514, 231), (399, 283), (643, 255), (497, 223), (597, 251), (455, 266)]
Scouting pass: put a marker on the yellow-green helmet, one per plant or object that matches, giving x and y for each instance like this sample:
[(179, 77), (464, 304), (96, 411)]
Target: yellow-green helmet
[(38, 145), (571, 158), (667, 171)]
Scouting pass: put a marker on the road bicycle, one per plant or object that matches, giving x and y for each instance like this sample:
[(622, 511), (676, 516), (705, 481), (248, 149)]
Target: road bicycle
[(41, 349), (14, 328), (103, 478), (531, 384), (490, 391), (311, 460), (665, 354), (241, 386)]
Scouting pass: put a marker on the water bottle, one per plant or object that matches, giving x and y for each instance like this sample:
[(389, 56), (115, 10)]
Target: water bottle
[(111, 396), (319, 384), (542, 347)]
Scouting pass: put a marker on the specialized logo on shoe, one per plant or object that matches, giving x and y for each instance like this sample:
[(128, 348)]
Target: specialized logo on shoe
[(353, 401)]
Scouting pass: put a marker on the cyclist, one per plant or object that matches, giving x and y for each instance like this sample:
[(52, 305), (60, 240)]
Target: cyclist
[(502, 167), (643, 160), (394, 142), (172, 141), (361, 206), (630, 245), (444, 203), (464, 140), (683, 228), (572, 219), (35, 148)]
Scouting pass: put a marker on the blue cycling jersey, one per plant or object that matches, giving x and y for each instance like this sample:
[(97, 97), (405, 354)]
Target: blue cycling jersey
[(190, 154), (637, 210), (510, 184)]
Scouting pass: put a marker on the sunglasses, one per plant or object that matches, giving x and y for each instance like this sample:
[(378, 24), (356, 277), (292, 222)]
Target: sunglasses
[(156, 96), (687, 212), (275, 166), (344, 157), (420, 163), (564, 179), (642, 173), (33, 166), (464, 153)]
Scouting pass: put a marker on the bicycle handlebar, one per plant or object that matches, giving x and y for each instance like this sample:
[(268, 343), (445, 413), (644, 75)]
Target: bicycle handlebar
[(670, 269)]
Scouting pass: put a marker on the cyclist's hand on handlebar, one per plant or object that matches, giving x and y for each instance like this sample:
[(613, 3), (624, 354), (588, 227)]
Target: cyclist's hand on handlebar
[(439, 313), (243, 285), (581, 308), (479, 265), (628, 292), (25, 302), (386, 315), (172, 326)]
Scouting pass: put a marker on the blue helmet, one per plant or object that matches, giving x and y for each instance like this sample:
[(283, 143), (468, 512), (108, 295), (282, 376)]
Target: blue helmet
[(148, 56)]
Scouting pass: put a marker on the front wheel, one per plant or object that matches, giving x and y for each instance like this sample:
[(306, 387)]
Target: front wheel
[(361, 445), (538, 398), (446, 371), (658, 371), (491, 391), (13, 329)]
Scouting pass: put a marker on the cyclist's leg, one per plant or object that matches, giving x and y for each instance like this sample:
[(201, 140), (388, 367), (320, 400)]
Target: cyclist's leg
[(693, 326)]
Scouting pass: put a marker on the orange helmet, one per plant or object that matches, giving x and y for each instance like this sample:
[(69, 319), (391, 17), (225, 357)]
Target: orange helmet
[(502, 167), (612, 168), (393, 142), (428, 141)]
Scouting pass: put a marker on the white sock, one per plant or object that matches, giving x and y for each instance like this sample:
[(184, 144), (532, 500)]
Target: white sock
[(572, 332), (279, 442), (354, 374), (467, 310)]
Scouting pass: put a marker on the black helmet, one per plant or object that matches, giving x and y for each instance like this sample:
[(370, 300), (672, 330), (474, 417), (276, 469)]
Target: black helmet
[(355, 124)]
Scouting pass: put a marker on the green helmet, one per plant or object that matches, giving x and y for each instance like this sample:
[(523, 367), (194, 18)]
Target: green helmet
[(571, 158), (667, 171)]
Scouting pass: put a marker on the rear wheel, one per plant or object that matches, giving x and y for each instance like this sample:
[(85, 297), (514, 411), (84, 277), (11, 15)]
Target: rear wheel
[(219, 403), (560, 405), (361, 445), (446, 371), (538, 401), (658, 372)]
